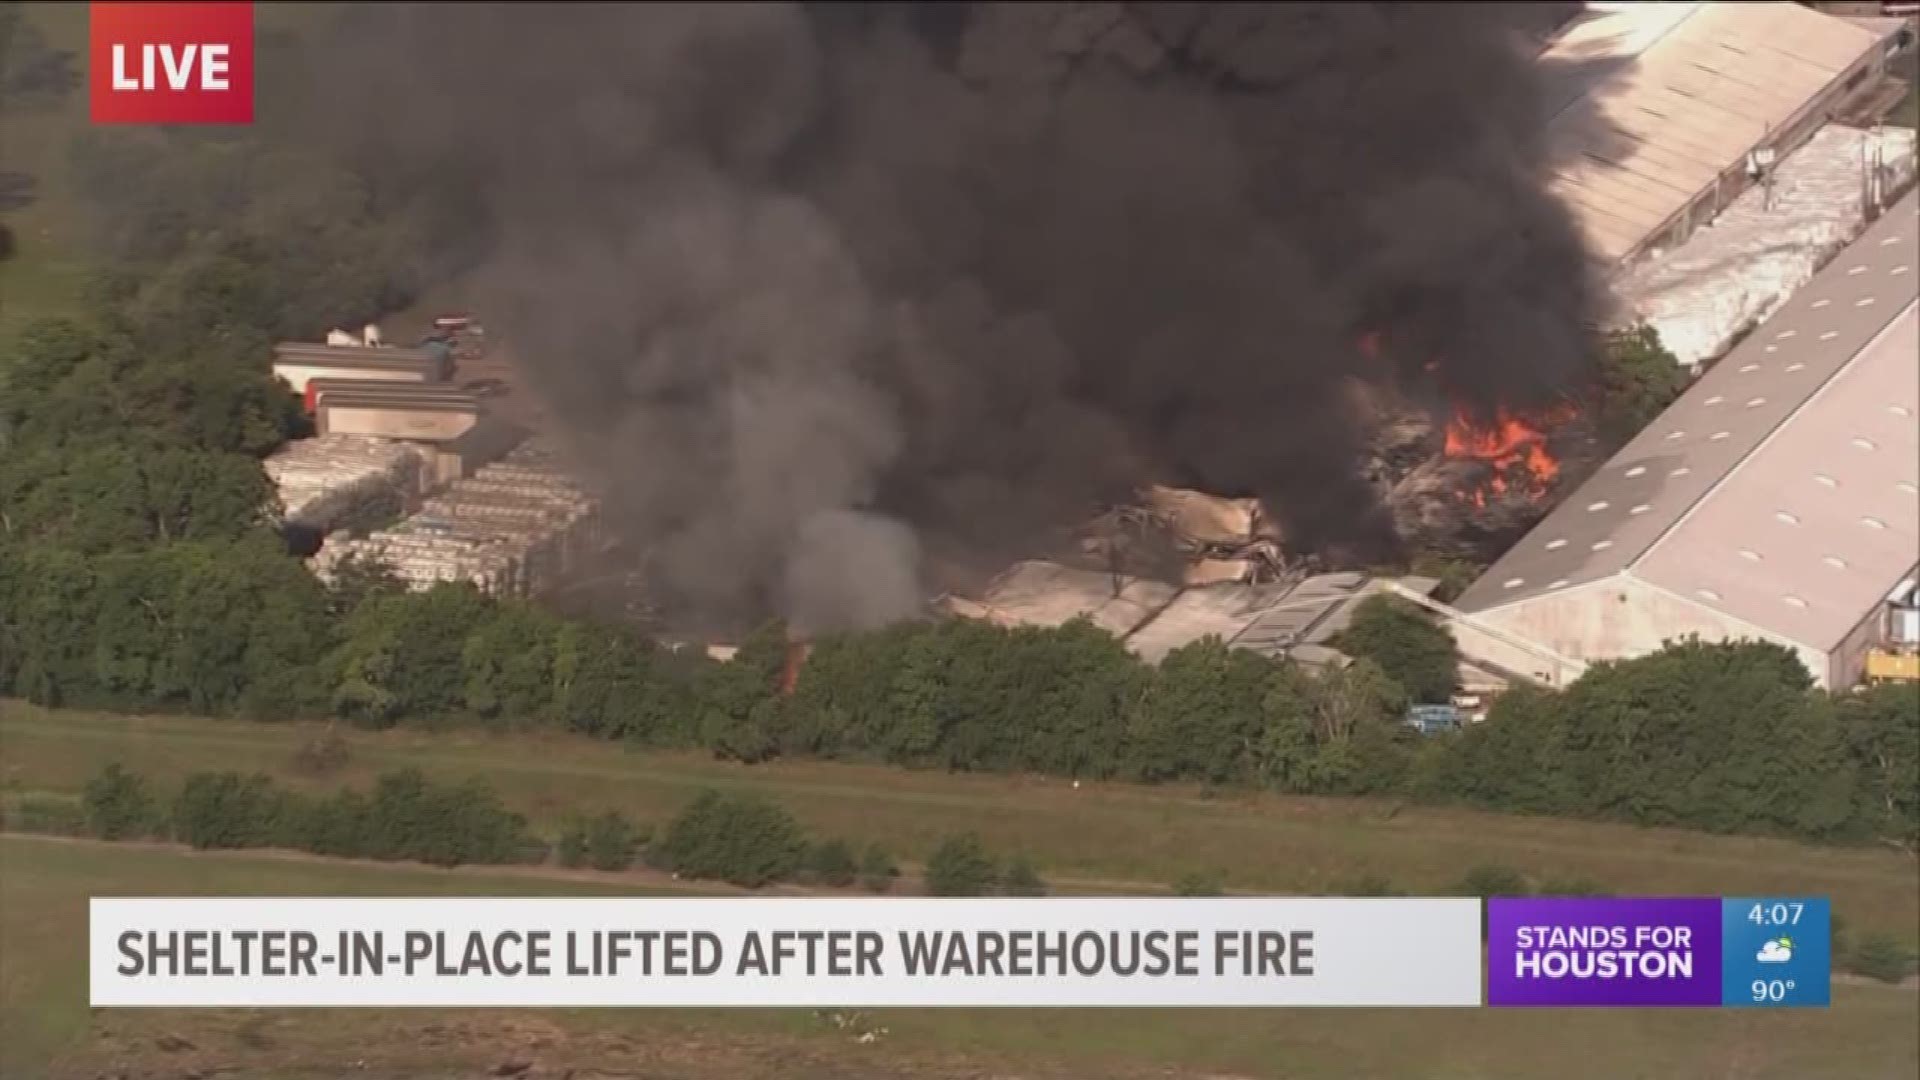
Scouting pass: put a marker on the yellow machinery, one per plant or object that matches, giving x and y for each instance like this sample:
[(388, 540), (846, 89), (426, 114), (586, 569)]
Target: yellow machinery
[(1884, 665)]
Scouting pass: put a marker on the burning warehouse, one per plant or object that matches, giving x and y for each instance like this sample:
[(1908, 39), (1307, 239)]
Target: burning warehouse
[(1776, 500), (831, 297)]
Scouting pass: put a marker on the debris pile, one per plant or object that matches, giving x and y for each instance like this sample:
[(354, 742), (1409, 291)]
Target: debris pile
[(336, 482), (1189, 535), (1738, 271), (512, 529)]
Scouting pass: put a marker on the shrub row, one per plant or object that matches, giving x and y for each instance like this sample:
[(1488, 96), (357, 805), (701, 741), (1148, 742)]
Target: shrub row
[(740, 839), (406, 817), (962, 866)]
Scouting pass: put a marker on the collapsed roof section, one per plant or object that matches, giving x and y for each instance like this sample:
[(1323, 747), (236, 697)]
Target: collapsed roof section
[(1185, 534), (1294, 618)]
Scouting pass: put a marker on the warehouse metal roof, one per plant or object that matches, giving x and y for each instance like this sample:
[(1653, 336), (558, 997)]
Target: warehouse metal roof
[(1036, 593), (1651, 103), (392, 393), (305, 352), (1783, 487), (1154, 619)]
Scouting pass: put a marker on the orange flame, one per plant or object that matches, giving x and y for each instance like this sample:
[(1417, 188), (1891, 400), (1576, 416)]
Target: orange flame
[(790, 671), (1514, 448)]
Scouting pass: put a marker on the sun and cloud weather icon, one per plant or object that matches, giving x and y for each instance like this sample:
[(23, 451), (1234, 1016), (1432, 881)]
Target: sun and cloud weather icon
[(1777, 951)]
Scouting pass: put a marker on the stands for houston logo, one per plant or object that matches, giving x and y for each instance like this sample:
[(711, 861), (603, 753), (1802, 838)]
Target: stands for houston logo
[(171, 63), (1608, 952)]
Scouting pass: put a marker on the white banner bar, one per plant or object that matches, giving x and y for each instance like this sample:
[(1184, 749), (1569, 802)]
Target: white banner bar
[(784, 952)]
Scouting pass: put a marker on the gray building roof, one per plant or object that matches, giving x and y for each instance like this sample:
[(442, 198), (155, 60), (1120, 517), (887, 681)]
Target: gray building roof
[(1781, 487), (1651, 103), (397, 393), (304, 352)]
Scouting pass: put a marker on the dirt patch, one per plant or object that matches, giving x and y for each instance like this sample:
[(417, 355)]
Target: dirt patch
[(432, 1046)]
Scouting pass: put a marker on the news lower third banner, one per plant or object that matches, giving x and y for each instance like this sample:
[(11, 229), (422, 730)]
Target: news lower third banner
[(1642, 952), (785, 952), (1697, 952)]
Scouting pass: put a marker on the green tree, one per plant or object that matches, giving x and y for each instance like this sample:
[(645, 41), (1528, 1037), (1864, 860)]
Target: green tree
[(1881, 957), (1201, 715), (1066, 692), (740, 839), (403, 655), (359, 578), (1881, 729), (1359, 739), (1515, 759), (1639, 378), (1412, 649), (1721, 736), (960, 866), (612, 841), (118, 804), (610, 682), (1454, 574), (571, 851), (414, 819), (739, 702), (121, 494), (877, 869), (229, 810), (242, 627), (1287, 753), (71, 383), (508, 664), (831, 863)]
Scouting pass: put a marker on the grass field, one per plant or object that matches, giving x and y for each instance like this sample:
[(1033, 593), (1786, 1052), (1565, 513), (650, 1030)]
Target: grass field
[(1095, 838), (46, 1029)]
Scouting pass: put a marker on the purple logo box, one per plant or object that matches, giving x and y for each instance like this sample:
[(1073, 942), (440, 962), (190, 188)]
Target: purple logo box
[(1642, 951)]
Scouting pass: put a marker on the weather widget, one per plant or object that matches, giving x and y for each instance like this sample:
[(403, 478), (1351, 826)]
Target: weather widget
[(1776, 951)]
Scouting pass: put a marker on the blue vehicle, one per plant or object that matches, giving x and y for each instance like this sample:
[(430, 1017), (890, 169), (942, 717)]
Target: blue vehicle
[(1433, 719)]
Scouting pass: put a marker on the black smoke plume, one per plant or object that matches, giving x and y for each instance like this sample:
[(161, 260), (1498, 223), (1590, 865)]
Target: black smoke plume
[(823, 292)]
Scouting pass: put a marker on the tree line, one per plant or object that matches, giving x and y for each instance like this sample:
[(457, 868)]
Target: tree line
[(141, 570), (1721, 737)]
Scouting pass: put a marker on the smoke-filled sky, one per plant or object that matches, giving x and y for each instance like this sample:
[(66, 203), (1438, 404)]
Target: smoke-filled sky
[(821, 290)]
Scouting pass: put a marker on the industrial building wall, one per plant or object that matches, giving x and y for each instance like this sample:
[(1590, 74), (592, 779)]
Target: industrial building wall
[(296, 374), (1622, 617), (431, 425), (1483, 640)]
